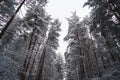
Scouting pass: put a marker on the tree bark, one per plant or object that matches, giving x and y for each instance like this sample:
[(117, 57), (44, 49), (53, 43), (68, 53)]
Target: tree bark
[(10, 20), (82, 72), (41, 65)]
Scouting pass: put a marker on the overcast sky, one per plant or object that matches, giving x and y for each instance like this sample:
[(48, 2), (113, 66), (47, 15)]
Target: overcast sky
[(63, 8)]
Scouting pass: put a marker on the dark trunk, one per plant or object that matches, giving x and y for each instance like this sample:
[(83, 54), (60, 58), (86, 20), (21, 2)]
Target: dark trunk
[(10, 20), (41, 65)]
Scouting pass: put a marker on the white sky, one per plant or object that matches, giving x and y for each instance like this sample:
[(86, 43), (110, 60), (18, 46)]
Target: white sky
[(63, 8)]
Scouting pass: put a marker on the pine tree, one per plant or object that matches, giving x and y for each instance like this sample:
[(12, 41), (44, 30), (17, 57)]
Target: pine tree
[(49, 54)]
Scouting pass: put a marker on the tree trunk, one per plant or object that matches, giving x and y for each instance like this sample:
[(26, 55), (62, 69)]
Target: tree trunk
[(82, 72), (41, 65), (25, 65), (10, 20)]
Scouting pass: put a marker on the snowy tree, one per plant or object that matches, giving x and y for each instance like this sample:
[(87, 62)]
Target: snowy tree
[(50, 57), (77, 34)]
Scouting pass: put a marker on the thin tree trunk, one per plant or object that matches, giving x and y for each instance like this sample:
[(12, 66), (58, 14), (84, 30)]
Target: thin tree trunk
[(78, 70), (41, 65), (96, 61), (10, 20), (102, 67), (33, 63), (89, 64), (109, 49), (82, 73), (30, 46), (27, 56)]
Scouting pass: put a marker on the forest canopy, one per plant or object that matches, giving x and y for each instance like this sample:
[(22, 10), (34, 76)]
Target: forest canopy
[(29, 42)]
